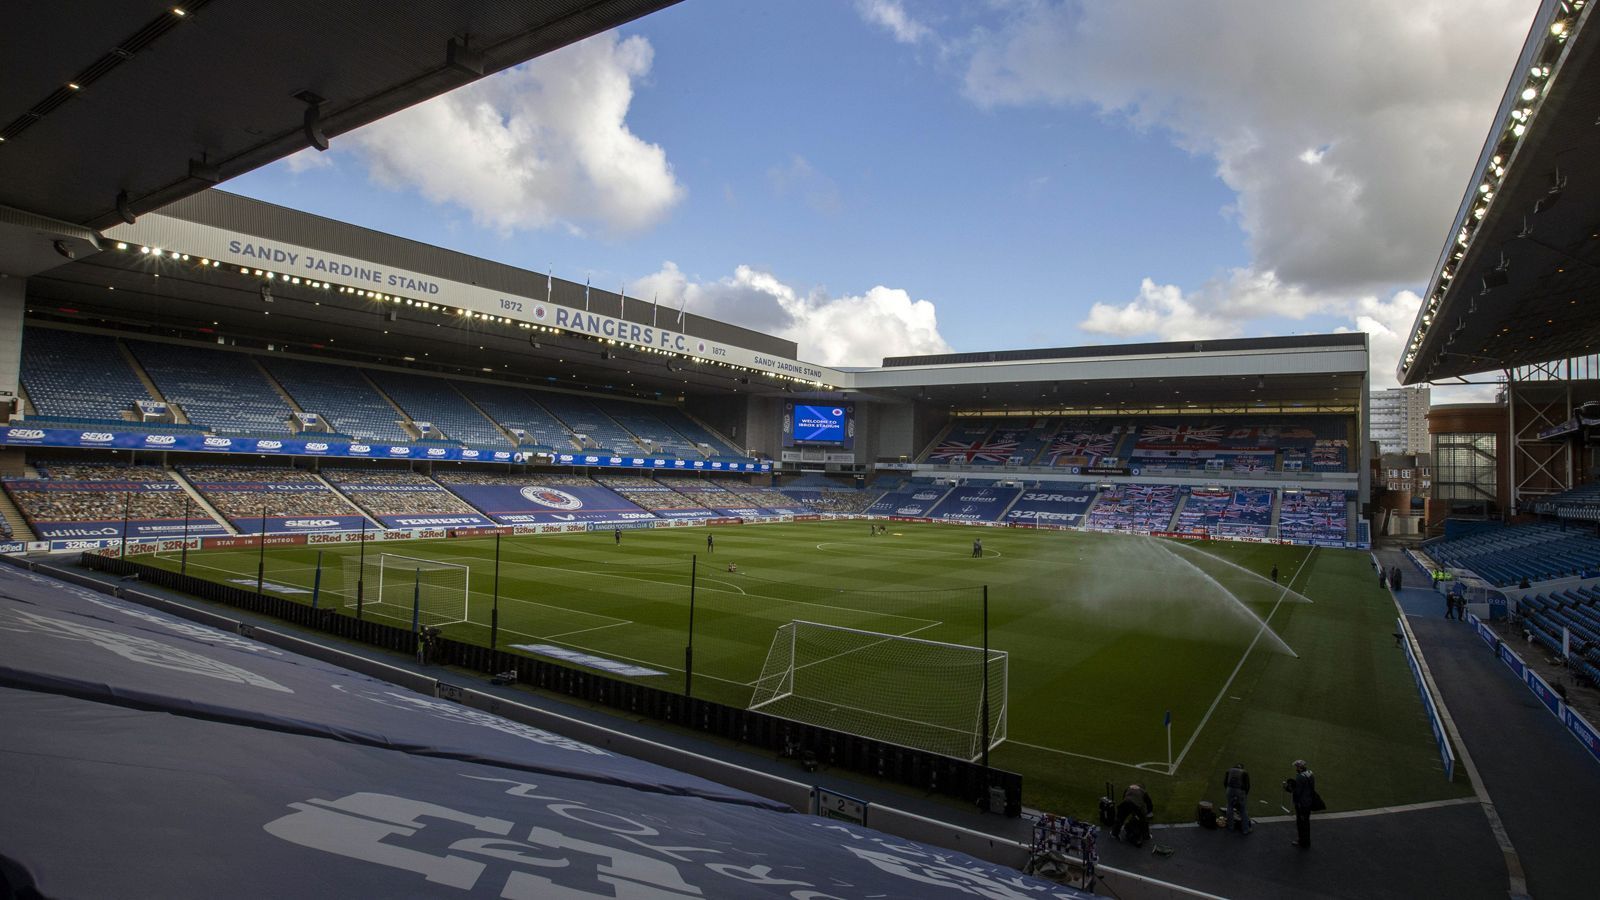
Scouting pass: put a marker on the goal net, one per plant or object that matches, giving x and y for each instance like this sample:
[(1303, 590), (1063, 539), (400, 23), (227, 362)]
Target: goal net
[(916, 693), (397, 586)]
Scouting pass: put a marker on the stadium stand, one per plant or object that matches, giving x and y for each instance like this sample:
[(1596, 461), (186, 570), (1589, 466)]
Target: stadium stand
[(395, 497), (913, 499), (585, 419), (761, 497), (696, 433), (649, 494), (1538, 551), (1314, 516), (1581, 503), (91, 500), (433, 400), (341, 396), (533, 499), (1080, 442), (1135, 507), (657, 436), (78, 377), (224, 392), (1223, 511), (974, 503), (514, 408), (1577, 611), (968, 442), (288, 499)]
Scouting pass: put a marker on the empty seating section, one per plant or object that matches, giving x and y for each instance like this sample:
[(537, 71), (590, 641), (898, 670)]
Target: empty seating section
[(341, 396), (656, 436), (1581, 503), (428, 399), (1314, 516), (747, 495), (1538, 552), (514, 408), (71, 375), (1135, 507), (1233, 444), (697, 434), (837, 502), (389, 492), (225, 392), (703, 493), (585, 418), (1577, 611), (1245, 512), (244, 493)]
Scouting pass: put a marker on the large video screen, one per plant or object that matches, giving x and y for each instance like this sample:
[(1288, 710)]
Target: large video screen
[(819, 424)]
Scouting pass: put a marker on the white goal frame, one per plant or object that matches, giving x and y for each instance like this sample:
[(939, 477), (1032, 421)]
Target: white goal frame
[(437, 603), (783, 690)]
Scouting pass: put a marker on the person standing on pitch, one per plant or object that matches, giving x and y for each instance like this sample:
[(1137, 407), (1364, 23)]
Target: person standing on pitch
[(1274, 573), (1302, 788), (1237, 782), (977, 548), (616, 531), (711, 544)]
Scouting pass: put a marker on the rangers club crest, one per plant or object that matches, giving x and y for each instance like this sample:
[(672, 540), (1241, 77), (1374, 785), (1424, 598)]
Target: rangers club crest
[(554, 499)]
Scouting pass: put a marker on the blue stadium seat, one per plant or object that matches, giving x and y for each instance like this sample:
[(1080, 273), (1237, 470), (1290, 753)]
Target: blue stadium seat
[(72, 375), (223, 391)]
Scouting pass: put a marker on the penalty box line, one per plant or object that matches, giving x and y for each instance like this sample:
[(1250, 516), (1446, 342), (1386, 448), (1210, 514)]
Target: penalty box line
[(926, 623)]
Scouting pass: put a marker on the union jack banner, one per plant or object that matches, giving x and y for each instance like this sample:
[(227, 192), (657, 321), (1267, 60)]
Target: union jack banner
[(1080, 443), (1152, 493), (973, 451), (1180, 435)]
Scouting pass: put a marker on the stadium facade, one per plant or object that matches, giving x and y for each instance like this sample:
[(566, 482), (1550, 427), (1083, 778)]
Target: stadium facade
[(228, 330)]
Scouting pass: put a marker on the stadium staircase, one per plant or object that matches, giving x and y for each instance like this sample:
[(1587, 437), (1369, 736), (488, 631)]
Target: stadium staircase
[(349, 501), (724, 439), (1177, 514), (1084, 519), (14, 518), (1272, 521), (510, 438), (276, 387), (200, 500), (406, 423), (1049, 438), (938, 439), (178, 415)]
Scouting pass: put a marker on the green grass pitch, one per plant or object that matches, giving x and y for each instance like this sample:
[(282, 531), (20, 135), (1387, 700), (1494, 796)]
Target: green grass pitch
[(1105, 633)]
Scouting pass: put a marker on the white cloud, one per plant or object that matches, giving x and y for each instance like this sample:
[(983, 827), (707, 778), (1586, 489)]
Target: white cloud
[(545, 144), (891, 15), (1346, 130), (308, 159), (857, 329), (1392, 109)]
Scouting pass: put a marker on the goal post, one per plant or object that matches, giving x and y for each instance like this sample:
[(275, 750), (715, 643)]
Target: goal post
[(927, 695), (396, 586)]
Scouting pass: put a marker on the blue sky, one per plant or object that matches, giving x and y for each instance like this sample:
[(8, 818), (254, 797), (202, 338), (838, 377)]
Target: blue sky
[(890, 176)]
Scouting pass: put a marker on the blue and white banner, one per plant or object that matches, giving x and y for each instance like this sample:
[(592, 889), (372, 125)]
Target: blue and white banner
[(533, 503), (439, 520), (974, 504), (1582, 730), (669, 464), (1051, 506), (136, 528), (913, 501), (23, 435)]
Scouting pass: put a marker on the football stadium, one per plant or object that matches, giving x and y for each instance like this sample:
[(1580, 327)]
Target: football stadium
[(341, 564)]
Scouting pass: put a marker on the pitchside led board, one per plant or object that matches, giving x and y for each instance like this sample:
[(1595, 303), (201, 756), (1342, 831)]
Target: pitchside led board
[(819, 425)]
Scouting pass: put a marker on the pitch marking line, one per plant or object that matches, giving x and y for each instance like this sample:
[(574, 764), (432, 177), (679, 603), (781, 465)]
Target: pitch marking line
[(825, 545), (551, 637), (1098, 759), (1240, 665), (925, 622)]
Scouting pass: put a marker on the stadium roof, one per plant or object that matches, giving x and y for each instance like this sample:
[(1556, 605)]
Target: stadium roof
[(1517, 278), (156, 101)]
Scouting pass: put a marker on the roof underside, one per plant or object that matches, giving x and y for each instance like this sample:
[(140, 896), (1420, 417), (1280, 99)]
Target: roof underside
[(167, 104), (1518, 285)]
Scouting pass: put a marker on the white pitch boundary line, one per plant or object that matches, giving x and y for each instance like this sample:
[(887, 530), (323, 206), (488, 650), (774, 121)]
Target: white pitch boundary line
[(551, 637), (937, 553), (1098, 759), (1195, 735)]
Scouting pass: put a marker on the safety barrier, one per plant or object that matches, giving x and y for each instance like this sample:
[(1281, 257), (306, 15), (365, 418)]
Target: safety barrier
[(1576, 725)]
